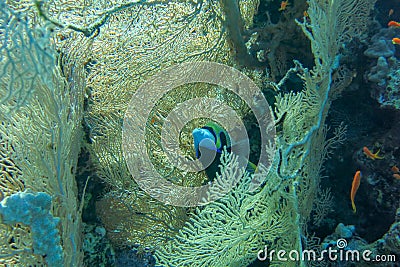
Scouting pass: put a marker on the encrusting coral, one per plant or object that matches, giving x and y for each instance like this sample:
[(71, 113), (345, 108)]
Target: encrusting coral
[(33, 210)]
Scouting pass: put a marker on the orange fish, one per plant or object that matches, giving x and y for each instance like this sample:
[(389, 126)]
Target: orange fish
[(397, 176), (354, 188), (371, 155), (284, 5), (396, 41), (393, 23), (395, 169)]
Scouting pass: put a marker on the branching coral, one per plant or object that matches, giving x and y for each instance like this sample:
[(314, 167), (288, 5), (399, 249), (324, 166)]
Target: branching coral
[(40, 130), (293, 181), (132, 46), (25, 57), (333, 24), (278, 39), (130, 41), (229, 232), (236, 227), (133, 40)]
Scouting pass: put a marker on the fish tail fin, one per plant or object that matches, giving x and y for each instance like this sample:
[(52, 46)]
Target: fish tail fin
[(377, 156), (353, 206), (251, 167)]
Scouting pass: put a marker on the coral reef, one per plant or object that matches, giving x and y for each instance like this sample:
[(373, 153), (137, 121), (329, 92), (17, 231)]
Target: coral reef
[(379, 187), (384, 73), (272, 41), (390, 242), (341, 231), (277, 214), (68, 63), (382, 252), (134, 258), (96, 247), (150, 222), (181, 32), (33, 210), (41, 108)]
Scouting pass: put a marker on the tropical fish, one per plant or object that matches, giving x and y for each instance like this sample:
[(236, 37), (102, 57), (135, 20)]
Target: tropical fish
[(213, 137), (284, 5), (396, 175), (395, 169), (354, 188), (393, 23), (396, 41), (215, 133), (371, 155)]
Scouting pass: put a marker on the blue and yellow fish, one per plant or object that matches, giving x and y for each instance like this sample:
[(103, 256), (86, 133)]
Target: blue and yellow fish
[(214, 138)]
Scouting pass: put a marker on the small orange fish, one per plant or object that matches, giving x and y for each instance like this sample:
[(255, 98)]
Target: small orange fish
[(284, 5), (305, 13), (393, 23), (391, 11), (395, 169), (371, 155), (354, 188), (397, 176), (396, 41)]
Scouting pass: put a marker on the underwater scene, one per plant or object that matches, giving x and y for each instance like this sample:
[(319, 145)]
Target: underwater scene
[(213, 133)]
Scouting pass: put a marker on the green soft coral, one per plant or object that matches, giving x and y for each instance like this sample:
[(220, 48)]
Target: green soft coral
[(230, 231)]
